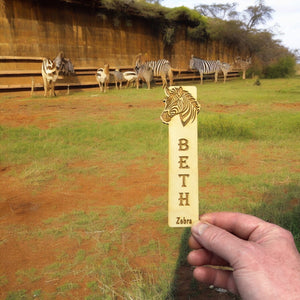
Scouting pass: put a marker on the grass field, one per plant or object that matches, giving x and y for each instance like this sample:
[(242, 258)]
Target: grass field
[(83, 185)]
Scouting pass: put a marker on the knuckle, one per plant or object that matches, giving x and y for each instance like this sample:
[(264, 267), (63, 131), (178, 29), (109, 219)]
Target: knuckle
[(283, 234)]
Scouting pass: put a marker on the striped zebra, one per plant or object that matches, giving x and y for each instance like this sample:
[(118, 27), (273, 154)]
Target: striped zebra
[(130, 77), (160, 68), (49, 74), (205, 67)]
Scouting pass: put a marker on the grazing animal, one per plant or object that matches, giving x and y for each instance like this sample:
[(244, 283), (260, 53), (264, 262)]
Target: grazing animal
[(179, 102), (63, 65), (145, 73), (225, 67), (130, 77), (67, 68), (49, 74), (243, 64), (102, 77), (160, 68), (205, 67), (59, 60), (118, 78)]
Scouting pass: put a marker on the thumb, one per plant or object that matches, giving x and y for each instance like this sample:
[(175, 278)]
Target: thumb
[(217, 240)]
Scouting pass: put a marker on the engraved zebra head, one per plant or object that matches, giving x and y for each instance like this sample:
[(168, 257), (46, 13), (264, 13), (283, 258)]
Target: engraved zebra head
[(179, 102)]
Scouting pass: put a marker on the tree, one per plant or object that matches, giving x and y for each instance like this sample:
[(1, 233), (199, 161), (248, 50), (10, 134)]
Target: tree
[(220, 11), (240, 30), (257, 14), (253, 15)]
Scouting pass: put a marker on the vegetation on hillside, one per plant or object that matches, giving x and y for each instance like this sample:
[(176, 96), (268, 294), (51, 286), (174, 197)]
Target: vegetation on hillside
[(221, 22), (216, 22)]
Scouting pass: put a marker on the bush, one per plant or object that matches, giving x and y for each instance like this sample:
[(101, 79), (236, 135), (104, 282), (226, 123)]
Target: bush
[(284, 67)]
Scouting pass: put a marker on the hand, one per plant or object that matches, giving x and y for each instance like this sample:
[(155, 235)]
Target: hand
[(264, 259)]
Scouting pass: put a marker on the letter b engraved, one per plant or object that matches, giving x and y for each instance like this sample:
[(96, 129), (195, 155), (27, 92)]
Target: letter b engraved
[(183, 145)]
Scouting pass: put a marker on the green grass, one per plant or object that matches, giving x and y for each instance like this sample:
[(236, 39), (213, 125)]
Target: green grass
[(245, 92), (281, 205), (248, 161)]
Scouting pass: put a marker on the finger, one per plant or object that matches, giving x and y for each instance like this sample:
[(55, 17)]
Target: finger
[(217, 277), (242, 225), (193, 243), (219, 241), (203, 257)]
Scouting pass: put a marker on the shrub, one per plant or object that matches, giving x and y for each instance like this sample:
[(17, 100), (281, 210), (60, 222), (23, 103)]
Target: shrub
[(284, 67)]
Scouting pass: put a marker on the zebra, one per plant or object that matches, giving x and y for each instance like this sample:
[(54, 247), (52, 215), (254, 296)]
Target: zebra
[(130, 77), (49, 74), (67, 68), (63, 65), (102, 77), (117, 77), (144, 73), (225, 67), (161, 67), (59, 61), (205, 67)]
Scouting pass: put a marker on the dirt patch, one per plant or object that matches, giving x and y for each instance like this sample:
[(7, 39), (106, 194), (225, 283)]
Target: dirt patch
[(220, 108), (286, 106)]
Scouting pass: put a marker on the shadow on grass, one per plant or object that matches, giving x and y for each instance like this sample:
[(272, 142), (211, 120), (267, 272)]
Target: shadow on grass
[(184, 286)]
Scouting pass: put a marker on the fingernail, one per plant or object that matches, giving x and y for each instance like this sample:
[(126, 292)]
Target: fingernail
[(199, 228)]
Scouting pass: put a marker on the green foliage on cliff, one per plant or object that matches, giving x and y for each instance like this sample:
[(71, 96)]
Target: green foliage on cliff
[(233, 30), (183, 14)]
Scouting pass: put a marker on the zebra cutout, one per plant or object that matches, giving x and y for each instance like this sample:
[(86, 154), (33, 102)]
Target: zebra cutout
[(205, 67), (50, 75), (160, 68), (179, 102)]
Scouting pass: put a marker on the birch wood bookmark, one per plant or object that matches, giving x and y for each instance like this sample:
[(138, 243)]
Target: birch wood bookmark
[(180, 113)]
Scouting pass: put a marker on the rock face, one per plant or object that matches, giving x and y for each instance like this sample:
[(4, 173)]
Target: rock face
[(92, 38)]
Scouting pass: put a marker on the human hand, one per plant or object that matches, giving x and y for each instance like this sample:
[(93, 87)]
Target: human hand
[(264, 259)]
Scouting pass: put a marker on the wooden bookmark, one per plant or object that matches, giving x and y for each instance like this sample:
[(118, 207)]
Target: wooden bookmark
[(180, 113)]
